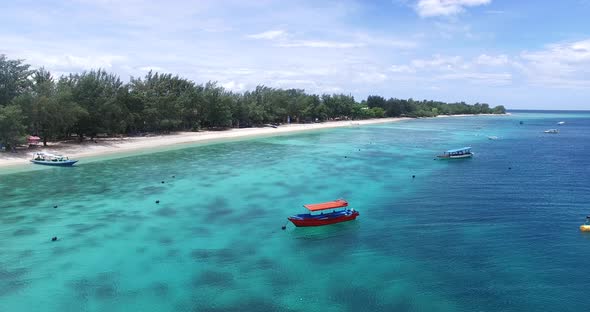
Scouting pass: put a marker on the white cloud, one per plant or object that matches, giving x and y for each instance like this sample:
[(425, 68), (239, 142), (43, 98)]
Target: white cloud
[(402, 69), (67, 62), (152, 68), (439, 62), (284, 39), (269, 35), (561, 65), (292, 83), (430, 8), (480, 77), (452, 29), (372, 40), (234, 86), (456, 68), (320, 44), (490, 60), (570, 53), (281, 38)]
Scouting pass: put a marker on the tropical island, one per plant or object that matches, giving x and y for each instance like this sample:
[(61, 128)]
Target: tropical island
[(83, 106)]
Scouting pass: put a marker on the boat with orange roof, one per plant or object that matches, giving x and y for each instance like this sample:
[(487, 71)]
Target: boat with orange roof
[(318, 216)]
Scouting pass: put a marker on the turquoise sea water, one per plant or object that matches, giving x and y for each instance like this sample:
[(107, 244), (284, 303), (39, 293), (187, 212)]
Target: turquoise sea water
[(498, 232)]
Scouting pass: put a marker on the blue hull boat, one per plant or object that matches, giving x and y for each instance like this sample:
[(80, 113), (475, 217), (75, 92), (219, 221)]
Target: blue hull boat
[(65, 163), (42, 158)]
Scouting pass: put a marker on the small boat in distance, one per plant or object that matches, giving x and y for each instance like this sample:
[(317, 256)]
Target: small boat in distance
[(47, 159), (561, 123), (492, 137), (551, 131), (464, 152), (586, 226), (340, 213)]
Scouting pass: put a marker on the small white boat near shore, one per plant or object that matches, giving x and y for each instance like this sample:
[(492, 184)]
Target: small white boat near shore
[(42, 158), (561, 123), (551, 131)]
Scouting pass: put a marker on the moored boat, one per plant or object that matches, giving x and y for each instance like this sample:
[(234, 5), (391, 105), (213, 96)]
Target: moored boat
[(551, 131), (464, 152), (340, 213), (47, 159), (561, 123), (586, 226)]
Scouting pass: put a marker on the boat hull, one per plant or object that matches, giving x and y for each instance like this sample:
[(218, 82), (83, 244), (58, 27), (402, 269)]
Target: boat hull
[(327, 219), (67, 163), (455, 156)]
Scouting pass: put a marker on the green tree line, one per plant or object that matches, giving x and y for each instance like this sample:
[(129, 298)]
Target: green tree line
[(95, 102)]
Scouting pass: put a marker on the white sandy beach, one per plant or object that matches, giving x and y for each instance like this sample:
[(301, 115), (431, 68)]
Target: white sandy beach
[(110, 146)]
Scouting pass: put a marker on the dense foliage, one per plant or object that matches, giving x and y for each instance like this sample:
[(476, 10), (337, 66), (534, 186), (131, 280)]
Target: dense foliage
[(97, 102)]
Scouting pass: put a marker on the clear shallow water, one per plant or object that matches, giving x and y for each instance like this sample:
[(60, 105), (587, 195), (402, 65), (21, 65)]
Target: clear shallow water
[(498, 232)]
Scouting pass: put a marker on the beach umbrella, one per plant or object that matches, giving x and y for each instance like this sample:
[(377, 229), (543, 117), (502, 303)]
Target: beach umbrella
[(32, 139)]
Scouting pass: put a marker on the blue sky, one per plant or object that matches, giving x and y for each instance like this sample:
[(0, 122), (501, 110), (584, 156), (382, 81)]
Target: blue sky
[(521, 54)]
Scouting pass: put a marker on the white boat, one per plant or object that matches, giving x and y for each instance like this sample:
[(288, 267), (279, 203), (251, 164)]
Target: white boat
[(551, 131), (47, 159), (492, 137), (458, 153), (561, 123)]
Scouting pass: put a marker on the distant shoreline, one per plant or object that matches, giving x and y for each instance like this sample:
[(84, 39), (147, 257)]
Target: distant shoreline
[(128, 145)]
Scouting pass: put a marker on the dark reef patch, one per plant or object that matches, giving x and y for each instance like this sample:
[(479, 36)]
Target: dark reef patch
[(103, 286), (251, 196), (60, 250), (151, 190), (218, 208), (356, 298), (165, 212), (173, 253), (25, 232), (200, 231), (266, 264), (214, 278), (82, 228), (11, 220), (26, 253), (17, 273), (201, 254), (165, 241), (250, 305), (161, 289), (105, 291), (221, 256), (12, 286)]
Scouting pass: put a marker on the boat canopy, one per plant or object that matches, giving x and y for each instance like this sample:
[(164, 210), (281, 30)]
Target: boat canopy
[(339, 203), (463, 149), (46, 154), (49, 156)]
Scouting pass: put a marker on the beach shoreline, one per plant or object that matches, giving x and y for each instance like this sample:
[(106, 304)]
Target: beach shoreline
[(127, 146)]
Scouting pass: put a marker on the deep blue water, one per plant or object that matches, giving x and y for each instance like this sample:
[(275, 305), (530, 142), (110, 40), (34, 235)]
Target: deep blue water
[(498, 232)]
